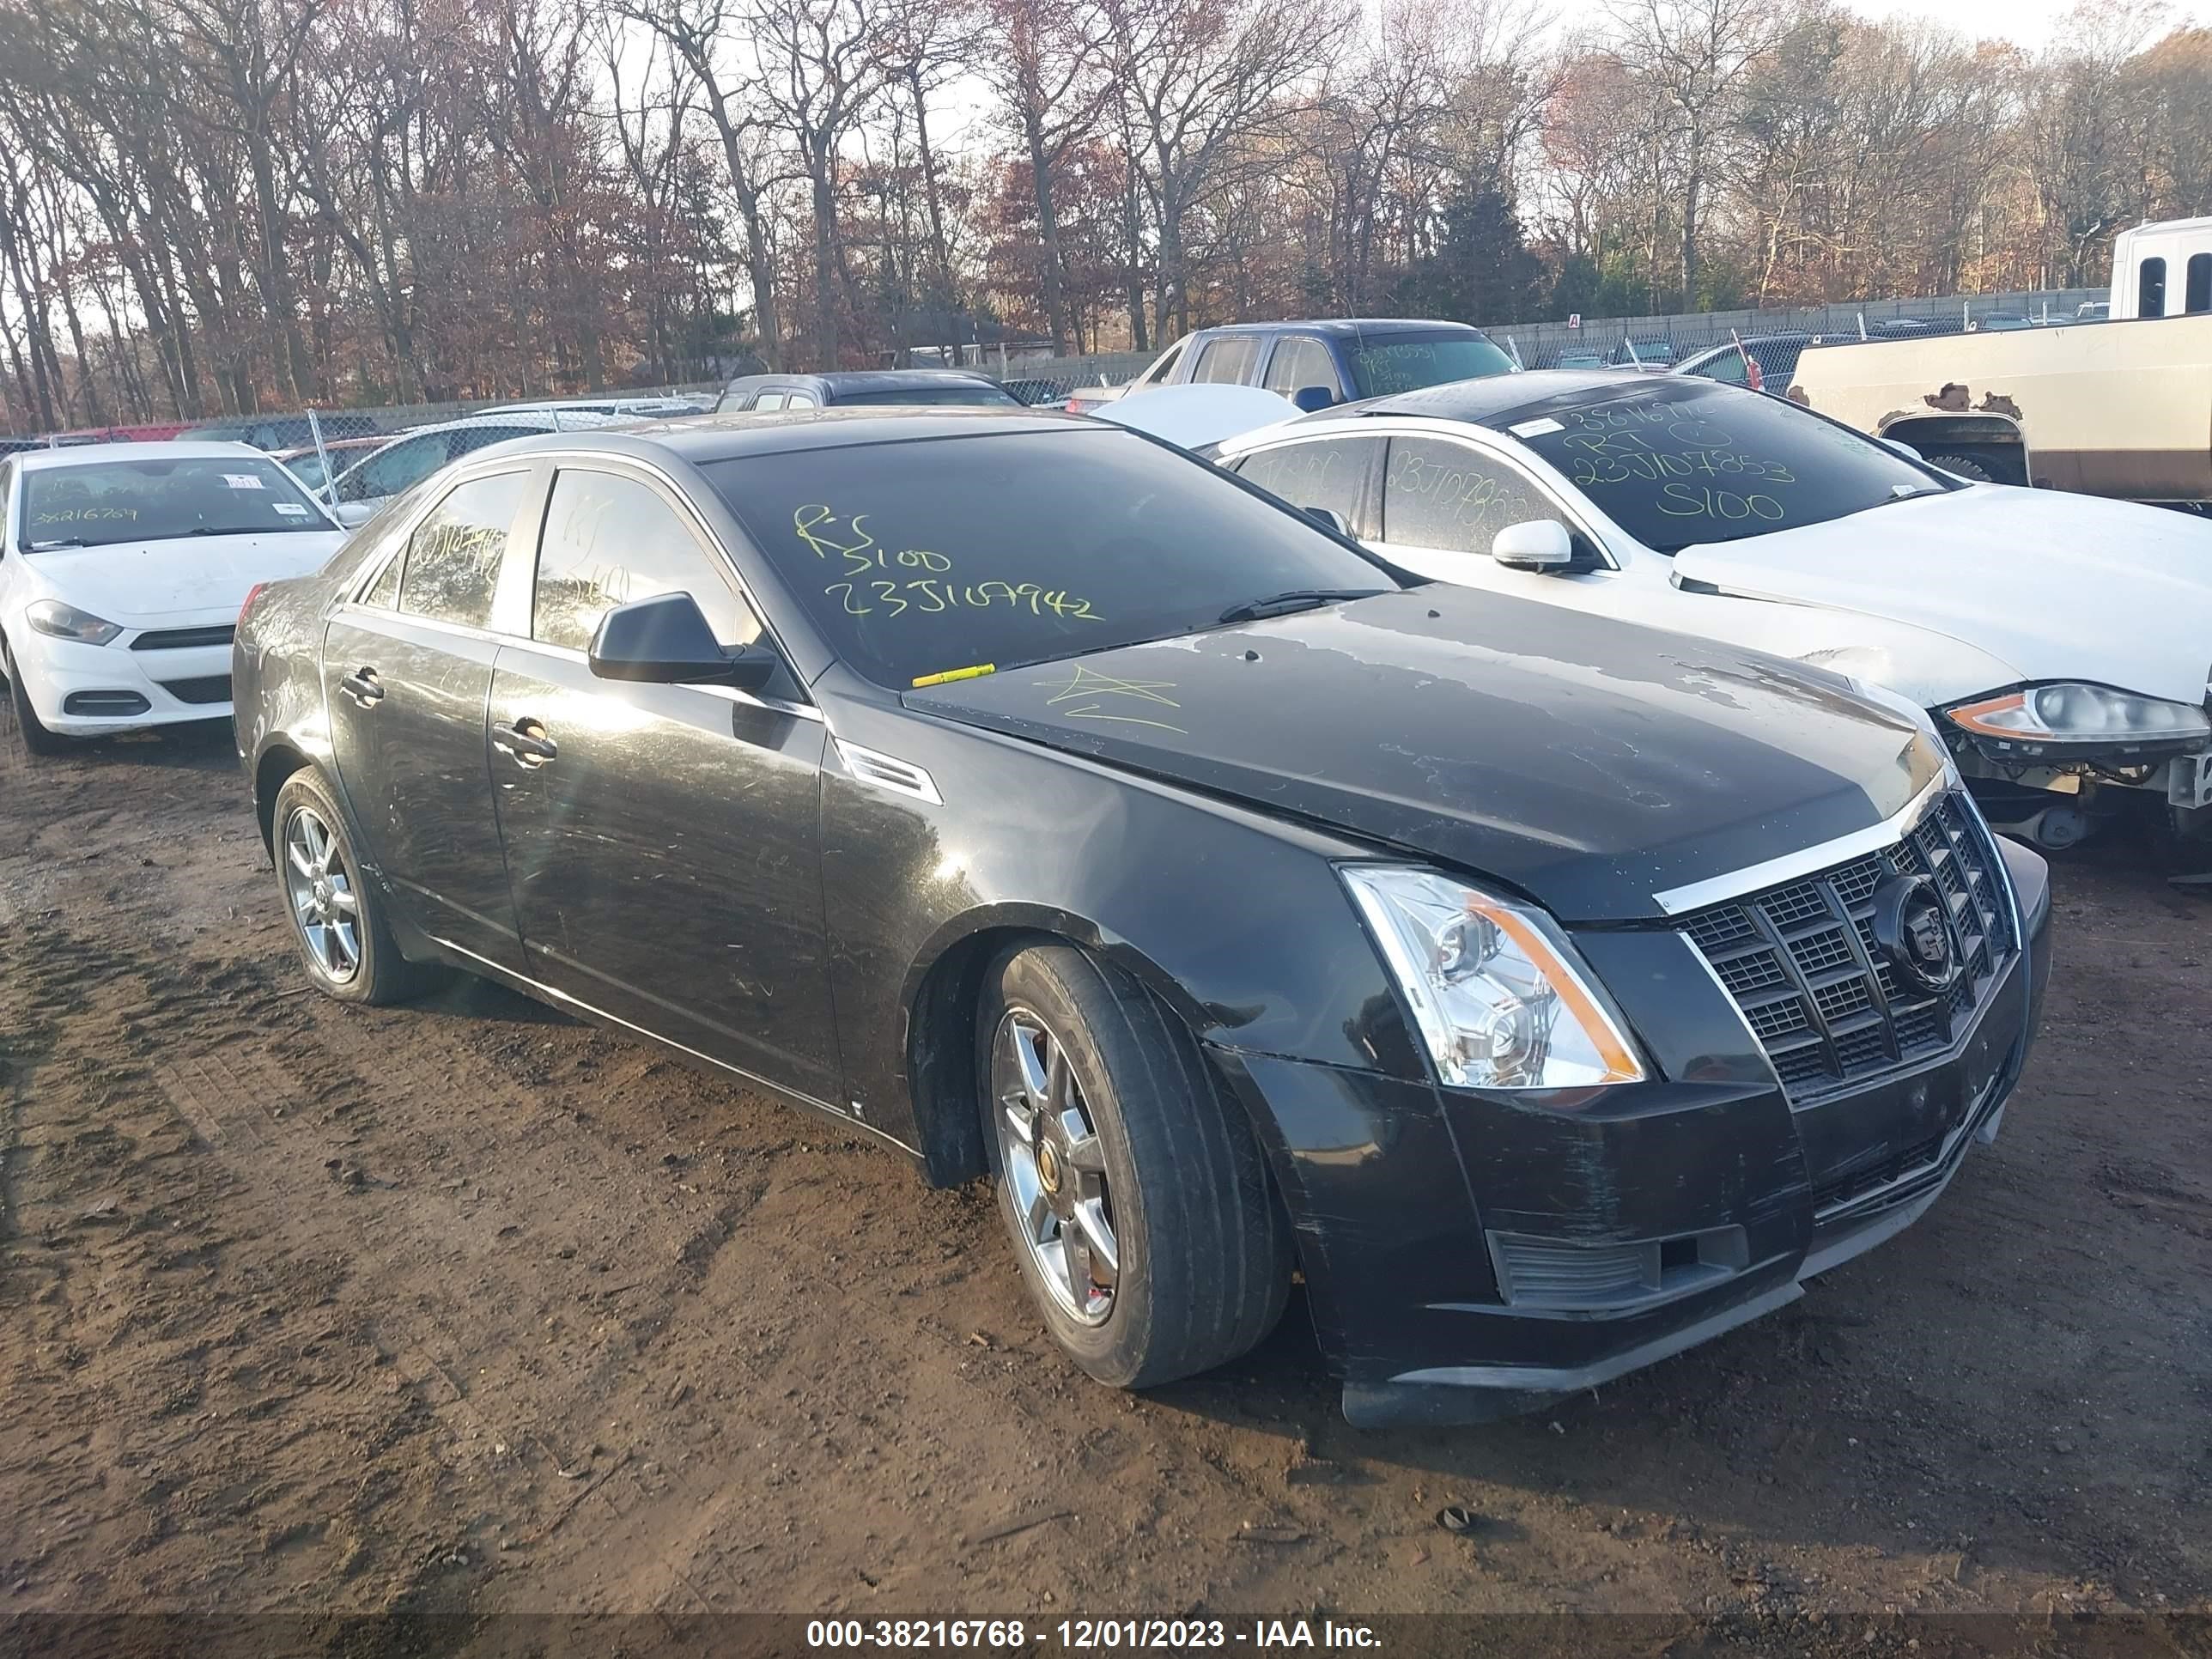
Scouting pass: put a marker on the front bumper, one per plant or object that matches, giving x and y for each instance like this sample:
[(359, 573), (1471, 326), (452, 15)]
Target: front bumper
[(84, 690), (1469, 1257)]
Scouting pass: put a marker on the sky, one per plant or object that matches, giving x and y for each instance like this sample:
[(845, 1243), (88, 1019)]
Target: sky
[(2030, 23)]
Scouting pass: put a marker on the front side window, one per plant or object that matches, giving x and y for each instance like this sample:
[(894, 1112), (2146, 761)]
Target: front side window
[(2150, 288), (1387, 364), (1227, 361), (1727, 367), (1163, 365), (993, 551), (402, 466), (1446, 496), (611, 540), (1679, 460), (1330, 472), (767, 400), (1299, 362), (454, 555), (160, 500)]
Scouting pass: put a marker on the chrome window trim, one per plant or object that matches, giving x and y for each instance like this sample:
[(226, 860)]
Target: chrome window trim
[(466, 473), (1604, 535), (1806, 861)]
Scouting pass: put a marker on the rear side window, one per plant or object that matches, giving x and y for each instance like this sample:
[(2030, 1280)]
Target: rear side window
[(1299, 362), (1330, 472), (1439, 494), (802, 400), (454, 555), (1227, 362), (2199, 296), (2150, 288), (1728, 369), (611, 540)]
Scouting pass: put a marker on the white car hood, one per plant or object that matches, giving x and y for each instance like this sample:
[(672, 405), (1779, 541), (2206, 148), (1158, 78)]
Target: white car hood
[(2053, 585), (139, 584), (1189, 415)]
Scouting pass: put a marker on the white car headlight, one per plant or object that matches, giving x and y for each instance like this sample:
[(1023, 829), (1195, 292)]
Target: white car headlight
[(1494, 986), (66, 621), (2080, 714)]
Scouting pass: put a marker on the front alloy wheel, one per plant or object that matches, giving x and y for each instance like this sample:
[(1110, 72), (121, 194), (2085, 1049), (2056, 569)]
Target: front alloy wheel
[(1136, 1193), (1055, 1167), (324, 900)]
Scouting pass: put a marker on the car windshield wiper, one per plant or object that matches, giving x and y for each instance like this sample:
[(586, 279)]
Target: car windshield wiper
[(1302, 599), (57, 541)]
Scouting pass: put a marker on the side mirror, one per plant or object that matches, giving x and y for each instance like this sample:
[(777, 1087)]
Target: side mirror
[(1311, 399), (1538, 545), (352, 514), (1904, 449), (1328, 519), (666, 640)]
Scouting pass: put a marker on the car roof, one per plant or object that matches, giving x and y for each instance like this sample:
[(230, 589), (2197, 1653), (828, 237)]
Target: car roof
[(1347, 327), (701, 440), (168, 449), (1497, 398), (873, 379)]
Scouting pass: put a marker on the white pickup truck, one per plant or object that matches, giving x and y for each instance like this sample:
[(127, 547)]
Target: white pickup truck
[(2120, 408)]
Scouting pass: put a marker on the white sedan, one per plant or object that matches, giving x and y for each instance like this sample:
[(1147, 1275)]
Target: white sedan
[(122, 570), (2061, 644)]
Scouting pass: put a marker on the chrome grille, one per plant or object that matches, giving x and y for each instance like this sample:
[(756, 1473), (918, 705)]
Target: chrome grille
[(1799, 962)]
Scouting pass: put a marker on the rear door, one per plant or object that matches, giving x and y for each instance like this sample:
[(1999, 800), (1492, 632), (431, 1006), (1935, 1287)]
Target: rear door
[(406, 673), (665, 859)]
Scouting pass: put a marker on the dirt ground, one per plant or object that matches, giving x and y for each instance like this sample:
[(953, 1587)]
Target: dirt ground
[(469, 1306)]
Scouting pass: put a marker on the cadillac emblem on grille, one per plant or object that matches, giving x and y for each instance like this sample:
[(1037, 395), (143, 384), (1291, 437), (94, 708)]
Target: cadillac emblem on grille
[(1913, 932)]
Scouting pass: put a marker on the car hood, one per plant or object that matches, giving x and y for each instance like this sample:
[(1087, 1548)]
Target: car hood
[(138, 583), (2054, 586), (1588, 763)]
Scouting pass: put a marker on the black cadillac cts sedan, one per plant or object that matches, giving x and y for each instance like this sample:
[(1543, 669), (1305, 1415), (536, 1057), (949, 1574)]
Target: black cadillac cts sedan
[(1553, 993)]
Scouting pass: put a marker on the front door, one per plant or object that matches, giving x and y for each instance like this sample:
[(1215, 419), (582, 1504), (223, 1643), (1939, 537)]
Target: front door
[(406, 673), (663, 841)]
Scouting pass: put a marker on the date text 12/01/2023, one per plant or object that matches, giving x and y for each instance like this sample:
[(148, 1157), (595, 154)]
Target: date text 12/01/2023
[(1090, 1635)]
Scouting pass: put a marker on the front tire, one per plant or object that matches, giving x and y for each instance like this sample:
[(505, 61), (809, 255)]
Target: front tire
[(37, 739), (1138, 1198), (337, 916)]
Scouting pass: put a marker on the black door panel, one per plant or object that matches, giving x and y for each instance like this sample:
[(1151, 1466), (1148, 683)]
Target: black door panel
[(406, 701), (664, 861)]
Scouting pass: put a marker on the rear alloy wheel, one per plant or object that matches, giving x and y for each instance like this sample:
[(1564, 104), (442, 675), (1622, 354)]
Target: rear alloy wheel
[(37, 739), (1137, 1195), (337, 918)]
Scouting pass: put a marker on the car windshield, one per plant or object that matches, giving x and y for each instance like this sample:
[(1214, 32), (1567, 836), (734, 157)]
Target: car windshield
[(1386, 364), (933, 396), (927, 557), (1682, 460), (308, 469), (102, 503)]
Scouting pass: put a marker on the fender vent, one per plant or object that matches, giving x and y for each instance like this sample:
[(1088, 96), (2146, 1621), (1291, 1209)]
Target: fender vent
[(888, 772)]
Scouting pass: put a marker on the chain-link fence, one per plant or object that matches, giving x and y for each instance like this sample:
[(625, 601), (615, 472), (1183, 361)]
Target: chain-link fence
[(1595, 341)]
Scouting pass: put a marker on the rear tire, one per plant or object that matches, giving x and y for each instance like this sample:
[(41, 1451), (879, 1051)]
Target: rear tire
[(336, 915), (37, 739), (1153, 1180)]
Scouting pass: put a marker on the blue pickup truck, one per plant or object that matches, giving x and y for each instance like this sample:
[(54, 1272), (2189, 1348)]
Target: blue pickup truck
[(1315, 364)]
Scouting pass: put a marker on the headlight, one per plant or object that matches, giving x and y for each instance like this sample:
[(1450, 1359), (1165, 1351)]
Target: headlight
[(66, 621), (2080, 714), (1493, 986)]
